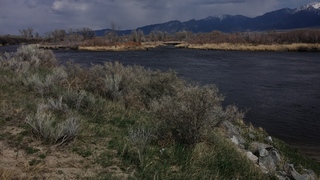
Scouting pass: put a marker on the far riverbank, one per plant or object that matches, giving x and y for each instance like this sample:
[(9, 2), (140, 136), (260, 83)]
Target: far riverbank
[(132, 46), (295, 47)]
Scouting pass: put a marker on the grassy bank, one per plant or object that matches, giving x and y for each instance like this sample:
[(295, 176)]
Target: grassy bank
[(115, 122), (299, 47), (129, 46)]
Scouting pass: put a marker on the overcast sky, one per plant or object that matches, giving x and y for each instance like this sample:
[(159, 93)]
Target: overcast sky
[(47, 15)]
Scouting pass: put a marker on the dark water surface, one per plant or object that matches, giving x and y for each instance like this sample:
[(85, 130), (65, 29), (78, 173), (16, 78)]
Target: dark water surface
[(281, 90)]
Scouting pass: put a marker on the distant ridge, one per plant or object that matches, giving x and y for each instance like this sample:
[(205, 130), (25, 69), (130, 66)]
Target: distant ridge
[(306, 16)]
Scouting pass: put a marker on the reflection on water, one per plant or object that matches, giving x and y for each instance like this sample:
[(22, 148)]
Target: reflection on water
[(281, 90)]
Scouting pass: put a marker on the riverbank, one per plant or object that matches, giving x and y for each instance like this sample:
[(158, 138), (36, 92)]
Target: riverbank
[(298, 47), (123, 47), (115, 122), (130, 46)]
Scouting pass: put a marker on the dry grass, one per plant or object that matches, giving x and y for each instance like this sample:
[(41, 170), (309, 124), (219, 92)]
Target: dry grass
[(5, 174), (129, 46), (252, 47), (45, 124), (152, 44), (110, 48)]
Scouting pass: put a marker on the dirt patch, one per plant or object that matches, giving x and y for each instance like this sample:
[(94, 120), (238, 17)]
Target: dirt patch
[(13, 130), (56, 165)]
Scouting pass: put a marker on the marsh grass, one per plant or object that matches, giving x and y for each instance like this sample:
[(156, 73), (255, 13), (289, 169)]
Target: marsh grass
[(253, 47), (124, 122), (128, 46)]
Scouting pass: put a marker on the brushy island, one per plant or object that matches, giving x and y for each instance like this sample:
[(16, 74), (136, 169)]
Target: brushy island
[(115, 122)]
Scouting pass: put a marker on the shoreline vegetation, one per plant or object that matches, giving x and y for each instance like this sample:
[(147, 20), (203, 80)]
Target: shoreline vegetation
[(295, 47), (124, 47), (110, 121), (299, 40)]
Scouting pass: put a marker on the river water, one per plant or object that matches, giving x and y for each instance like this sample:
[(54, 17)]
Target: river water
[(280, 90)]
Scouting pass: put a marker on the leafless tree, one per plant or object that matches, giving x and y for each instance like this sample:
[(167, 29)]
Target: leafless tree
[(137, 36), (87, 33), (112, 35), (58, 35), (26, 33)]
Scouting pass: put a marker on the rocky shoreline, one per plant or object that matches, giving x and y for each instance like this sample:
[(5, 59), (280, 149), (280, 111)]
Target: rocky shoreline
[(264, 155)]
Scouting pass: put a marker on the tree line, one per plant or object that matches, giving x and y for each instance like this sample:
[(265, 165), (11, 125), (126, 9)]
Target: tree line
[(268, 38), (87, 36)]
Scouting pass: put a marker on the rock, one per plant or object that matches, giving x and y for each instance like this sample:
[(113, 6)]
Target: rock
[(281, 175), (263, 153), (275, 156), (252, 157), (263, 169), (269, 159), (235, 140), (233, 131), (269, 139), (251, 136), (309, 174), (256, 147), (268, 156), (268, 162), (282, 178)]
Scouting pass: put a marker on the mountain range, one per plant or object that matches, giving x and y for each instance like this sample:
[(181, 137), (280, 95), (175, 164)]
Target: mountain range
[(307, 16)]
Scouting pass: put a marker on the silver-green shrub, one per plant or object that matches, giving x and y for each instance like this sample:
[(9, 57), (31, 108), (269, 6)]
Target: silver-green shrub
[(35, 56), (52, 129), (28, 57), (45, 84), (189, 114)]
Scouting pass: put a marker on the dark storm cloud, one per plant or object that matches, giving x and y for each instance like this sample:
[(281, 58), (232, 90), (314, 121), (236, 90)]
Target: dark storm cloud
[(219, 2), (47, 15)]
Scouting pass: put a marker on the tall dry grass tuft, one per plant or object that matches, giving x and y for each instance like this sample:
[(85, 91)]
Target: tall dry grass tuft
[(112, 83), (50, 125), (57, 106), (139, 137)]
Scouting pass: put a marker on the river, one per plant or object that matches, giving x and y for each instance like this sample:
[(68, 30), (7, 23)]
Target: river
[(280, 90)]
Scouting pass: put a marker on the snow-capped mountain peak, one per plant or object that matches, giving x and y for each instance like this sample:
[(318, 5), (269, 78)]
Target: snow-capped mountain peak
[(311, 6), (315, 5), (218, 16)]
